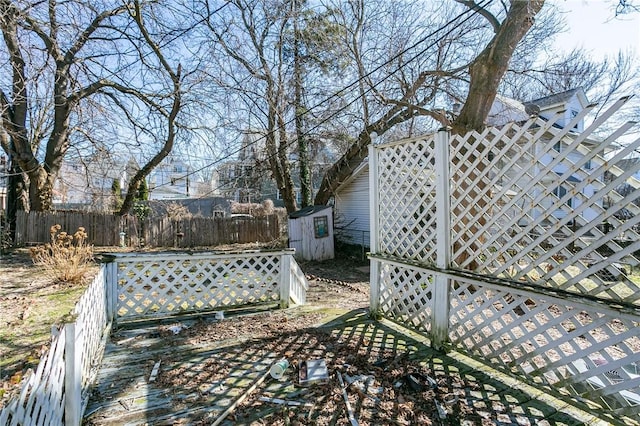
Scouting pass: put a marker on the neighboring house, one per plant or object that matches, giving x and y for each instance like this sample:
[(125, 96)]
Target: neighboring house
[(568, 103), (351, 199), (88, 185), (170, 180), (248, 178), (351, 204), (200, 207), (244, 180)]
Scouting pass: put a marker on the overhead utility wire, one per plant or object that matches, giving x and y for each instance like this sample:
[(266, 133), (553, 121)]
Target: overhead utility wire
[(350, 86), (469, 12), (369, 89)]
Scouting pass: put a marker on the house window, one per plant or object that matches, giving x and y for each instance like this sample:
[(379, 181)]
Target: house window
[(321, 226), (217, 214), (574, 114), (558, 146), (560, 192)]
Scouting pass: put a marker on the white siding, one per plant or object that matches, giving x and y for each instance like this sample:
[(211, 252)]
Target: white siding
[(352, 209)]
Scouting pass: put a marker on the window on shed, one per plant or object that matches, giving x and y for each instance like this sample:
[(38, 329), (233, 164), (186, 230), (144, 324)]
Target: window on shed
[(321, 226)]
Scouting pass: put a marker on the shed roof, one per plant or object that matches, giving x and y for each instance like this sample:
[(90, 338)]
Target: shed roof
[(307, 211)]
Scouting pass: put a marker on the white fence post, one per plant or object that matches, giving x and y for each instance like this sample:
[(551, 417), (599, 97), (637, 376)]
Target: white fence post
[(374, 219), (440, 317), (285, 280), (111, 283), (72, 375)]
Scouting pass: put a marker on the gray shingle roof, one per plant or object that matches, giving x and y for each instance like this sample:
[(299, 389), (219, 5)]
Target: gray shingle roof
[(556, 98)]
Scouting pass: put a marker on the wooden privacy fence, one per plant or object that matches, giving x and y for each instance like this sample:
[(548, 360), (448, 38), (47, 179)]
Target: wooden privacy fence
[(511, 246), (105, 230), (34, 227), (130, 287)]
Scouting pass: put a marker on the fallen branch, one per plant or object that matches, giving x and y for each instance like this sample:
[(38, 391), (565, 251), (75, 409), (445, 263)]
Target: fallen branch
[(350, 415), (285, 402), (241, 398)]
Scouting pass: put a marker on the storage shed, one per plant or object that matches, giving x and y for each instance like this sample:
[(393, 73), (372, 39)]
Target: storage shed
[(311, 233)]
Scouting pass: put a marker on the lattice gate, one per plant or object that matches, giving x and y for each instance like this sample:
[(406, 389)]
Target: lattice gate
[(518, 246)]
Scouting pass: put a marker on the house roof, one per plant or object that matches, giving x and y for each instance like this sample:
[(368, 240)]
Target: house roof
[(628, 163), (307, 211), (504, 110), (363, 167), (197, 206), (559, 98)]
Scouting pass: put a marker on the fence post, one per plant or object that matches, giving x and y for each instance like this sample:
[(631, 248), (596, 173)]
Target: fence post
[(440, 317), (374, 219), (72, 375), (111, 285), (285, 280)]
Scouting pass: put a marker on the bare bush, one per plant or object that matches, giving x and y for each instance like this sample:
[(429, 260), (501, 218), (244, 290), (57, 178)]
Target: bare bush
[(67, 257), (265, 208), (177, 211)]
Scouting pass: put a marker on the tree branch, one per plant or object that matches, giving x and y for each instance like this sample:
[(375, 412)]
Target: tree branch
[(90, 29), (493, 21)]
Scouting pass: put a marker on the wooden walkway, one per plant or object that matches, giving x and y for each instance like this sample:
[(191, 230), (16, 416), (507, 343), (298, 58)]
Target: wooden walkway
[(167, 374)]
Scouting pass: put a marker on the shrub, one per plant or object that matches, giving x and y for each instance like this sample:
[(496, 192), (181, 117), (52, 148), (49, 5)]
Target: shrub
[(67, 257)]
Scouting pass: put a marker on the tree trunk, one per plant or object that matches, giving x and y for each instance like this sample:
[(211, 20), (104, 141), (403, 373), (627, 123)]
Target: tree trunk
[(486, 73), (303, 146), (288, 192), (357, 152), (488, 68)]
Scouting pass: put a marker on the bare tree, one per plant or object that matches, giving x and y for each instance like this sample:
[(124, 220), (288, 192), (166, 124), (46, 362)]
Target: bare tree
[(455, 71), (24, 127), (169, 114), (249, 40), (84, 76)]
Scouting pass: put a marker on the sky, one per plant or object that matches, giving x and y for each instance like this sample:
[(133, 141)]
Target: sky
[(592, 24)]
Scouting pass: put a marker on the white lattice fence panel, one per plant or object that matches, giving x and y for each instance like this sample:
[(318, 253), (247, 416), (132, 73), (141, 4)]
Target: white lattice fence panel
[(41, 400), (299, 283), (564, 346), (406, 294), (539, 204), (91, 319), (169, 284), (406, 180)]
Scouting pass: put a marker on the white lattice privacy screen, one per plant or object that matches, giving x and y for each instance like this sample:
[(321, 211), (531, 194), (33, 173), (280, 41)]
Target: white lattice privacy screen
[(518, 245), (167, 284)]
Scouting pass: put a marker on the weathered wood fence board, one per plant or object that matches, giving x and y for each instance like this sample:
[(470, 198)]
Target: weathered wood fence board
[(104, 229)]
